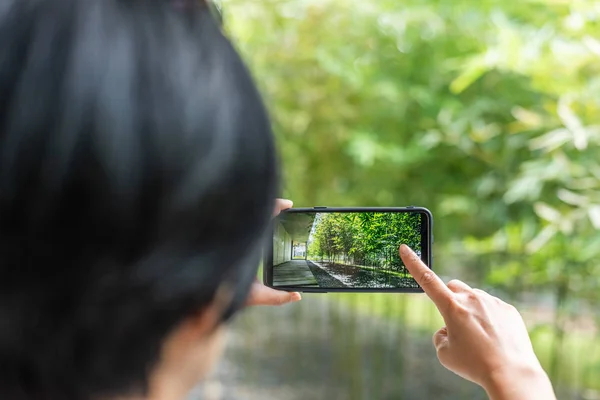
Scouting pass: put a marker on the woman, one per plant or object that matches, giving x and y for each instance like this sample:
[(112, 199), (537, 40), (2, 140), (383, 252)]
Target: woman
[(137, 172)]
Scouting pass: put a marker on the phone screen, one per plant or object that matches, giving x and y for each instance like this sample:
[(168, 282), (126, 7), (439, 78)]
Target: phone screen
[(346, 249)]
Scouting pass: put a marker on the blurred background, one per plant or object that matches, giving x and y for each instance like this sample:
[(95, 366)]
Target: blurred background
[(486, 112)]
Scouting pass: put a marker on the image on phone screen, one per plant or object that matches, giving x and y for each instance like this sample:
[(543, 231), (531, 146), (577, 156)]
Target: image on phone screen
[(346, 249)]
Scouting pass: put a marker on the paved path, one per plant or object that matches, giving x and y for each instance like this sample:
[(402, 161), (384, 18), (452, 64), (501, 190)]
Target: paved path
[(294, 273), (325, 280)]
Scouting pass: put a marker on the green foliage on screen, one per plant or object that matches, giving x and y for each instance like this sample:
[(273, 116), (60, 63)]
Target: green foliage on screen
[(365, 239)]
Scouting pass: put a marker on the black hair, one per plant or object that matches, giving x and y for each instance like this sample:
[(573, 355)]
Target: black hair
[(137, 177)]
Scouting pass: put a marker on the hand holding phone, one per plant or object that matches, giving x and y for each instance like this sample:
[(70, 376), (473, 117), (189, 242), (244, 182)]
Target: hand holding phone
[(261, 295), (325, 249)]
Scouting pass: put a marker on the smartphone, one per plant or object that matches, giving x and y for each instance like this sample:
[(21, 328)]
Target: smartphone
[(325, 249)]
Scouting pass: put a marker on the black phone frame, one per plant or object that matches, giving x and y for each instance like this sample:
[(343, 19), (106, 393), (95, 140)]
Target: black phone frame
[(426, 250)]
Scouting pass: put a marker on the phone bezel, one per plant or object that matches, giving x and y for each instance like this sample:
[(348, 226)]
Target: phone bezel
[(426, 252)]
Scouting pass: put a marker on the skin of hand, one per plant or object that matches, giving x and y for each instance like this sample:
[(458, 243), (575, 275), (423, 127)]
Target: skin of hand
[(261, 295), (485, 340)]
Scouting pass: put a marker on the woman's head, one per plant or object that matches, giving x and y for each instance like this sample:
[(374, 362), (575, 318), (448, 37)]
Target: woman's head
[(137, 172)]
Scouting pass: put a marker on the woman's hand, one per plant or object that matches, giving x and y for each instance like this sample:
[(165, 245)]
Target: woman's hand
[(261, 295), (485, 339)]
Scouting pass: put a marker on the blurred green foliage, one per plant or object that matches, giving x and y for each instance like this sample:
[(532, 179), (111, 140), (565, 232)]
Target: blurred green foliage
[(486, 112)]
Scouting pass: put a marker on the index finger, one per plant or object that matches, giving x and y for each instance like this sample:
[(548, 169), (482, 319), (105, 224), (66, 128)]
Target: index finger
[(432, 285)]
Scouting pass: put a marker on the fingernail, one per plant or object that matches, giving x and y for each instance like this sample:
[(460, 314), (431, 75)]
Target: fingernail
[(405, 250), (295, 296)]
